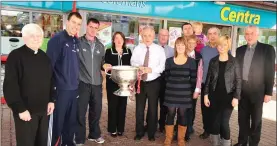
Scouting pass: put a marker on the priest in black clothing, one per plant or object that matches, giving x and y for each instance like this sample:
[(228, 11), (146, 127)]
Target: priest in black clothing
[(27, 88)]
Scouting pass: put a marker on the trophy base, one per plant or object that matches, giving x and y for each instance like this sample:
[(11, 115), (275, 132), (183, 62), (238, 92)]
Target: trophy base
[(121, 92)]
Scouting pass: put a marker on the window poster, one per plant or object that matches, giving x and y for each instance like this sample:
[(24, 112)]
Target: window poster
[(174, 33), (10, 43), (105, 33)]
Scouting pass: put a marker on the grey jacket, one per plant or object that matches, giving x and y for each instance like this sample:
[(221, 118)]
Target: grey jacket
[(91, 62)]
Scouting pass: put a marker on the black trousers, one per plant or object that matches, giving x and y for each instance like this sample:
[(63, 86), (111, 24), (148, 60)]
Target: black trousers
[(150, 91), (33, 132), (116, 110), (205, 113), (163, 109), (89, 95), (220, 121), (191, 116), (250, 110)]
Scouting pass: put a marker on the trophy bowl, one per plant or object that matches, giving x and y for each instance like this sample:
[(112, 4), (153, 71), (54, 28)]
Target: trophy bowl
[(125, 76)]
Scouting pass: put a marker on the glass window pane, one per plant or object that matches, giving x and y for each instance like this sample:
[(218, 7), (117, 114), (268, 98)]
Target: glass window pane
[(130, 26), (104, 33), (156, 23), (50, 23), (11, 25)]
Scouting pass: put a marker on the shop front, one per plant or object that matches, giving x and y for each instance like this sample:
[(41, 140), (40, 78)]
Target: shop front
[(130, 17)]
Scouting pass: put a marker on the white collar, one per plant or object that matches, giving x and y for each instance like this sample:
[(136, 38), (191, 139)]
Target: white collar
[(192, 53), (148, 46)]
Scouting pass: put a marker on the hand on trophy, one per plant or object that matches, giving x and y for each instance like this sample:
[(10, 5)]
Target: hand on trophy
[(107, 67), (144, 70), (141, 70), (147, 70)]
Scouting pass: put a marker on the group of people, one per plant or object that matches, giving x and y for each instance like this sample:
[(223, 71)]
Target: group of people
[(67, 81)]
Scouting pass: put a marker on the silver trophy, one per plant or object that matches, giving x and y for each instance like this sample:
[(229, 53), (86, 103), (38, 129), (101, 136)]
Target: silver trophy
[(124, 76)]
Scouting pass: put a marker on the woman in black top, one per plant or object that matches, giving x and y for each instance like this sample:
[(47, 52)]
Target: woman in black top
[(117, 55), (180, 76), (222, 91)]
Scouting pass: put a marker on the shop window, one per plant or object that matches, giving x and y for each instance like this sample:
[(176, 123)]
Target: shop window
[(130, 26), (266, 36), (11, 25), (50, 23), (105, 29), (175, 30), (155, 23)]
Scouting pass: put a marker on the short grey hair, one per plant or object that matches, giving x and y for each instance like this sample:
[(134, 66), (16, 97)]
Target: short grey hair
[(31, 28), (215, 28), (253, 26), (148, 28), (165, 30)]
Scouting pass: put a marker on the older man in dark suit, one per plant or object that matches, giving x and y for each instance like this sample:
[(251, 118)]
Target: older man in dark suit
[(257, 62)]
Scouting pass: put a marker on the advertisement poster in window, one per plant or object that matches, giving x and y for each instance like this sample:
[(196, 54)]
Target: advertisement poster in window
[(105, 33), (10, 43), (174, 33)]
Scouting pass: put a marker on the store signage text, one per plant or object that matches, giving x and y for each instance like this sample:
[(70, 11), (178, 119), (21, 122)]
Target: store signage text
[(243, 17), (139, 4)]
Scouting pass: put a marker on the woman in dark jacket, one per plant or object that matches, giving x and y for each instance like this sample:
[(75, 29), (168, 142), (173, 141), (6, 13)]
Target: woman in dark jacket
[(222, 91), (117, 55)]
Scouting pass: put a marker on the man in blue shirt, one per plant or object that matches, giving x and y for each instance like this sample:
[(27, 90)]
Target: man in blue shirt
[(62, 51), (208, 52)]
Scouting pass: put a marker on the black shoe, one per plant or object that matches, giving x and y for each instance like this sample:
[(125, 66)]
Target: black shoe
[(137, 137), (238, 144), (120, 133), (151, 138), (204, 135), (113, 134), (187, 138)]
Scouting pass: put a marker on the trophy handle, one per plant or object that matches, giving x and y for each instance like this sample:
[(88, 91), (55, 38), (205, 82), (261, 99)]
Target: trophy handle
[(106, 72)]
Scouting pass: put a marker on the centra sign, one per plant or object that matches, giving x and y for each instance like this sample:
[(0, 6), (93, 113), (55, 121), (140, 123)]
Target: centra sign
[(226, 14)]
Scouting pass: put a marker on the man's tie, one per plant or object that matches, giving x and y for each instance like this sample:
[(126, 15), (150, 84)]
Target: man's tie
[(145, 63)]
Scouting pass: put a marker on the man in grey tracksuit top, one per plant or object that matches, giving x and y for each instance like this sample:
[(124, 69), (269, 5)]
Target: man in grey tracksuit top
[(91, 56)]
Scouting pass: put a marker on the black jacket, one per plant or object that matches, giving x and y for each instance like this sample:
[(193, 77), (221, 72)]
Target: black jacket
[(261, 74), (111, 57), (28, 81), (232, 76)]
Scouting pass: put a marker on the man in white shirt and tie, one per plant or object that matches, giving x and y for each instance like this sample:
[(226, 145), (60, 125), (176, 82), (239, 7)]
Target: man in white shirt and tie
[(150, 58)]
